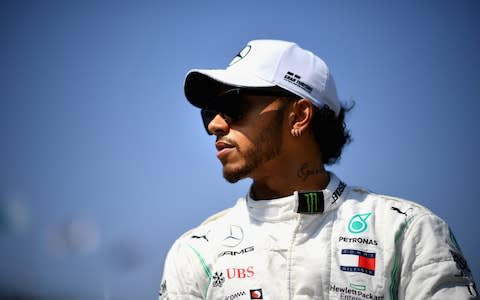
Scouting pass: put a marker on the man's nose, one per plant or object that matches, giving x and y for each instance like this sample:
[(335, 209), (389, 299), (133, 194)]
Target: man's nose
[(218, 126)]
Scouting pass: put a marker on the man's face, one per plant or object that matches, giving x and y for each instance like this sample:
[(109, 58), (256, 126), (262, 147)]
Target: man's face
[(245, 145)]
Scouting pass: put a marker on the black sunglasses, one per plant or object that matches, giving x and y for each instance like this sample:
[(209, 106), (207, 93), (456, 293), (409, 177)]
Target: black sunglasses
[(232, 107)]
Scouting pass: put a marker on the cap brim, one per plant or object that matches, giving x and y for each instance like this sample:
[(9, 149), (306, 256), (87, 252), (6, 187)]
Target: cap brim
[(202, 85)]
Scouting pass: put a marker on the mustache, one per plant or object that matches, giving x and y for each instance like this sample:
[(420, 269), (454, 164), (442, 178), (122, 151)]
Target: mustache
[(227, 140)]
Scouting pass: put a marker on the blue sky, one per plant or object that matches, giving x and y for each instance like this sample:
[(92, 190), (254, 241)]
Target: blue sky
[(103, 163)]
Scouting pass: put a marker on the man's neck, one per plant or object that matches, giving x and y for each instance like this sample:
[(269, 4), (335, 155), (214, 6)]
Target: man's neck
[(306, 177)]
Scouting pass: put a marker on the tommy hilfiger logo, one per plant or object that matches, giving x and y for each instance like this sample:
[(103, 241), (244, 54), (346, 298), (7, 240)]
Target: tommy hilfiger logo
[(352, 260), (295, 79)]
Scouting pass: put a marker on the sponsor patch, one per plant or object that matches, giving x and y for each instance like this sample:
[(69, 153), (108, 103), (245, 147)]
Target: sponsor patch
[(235, 253), (241, 55), (358, 223), (163, 289), (296, 80), (353, 292), (201, 237), (357, 240), (235, 296), (310, 202), (240, 273), (352, 260), (218, 279), (256, 294), (234, 236)]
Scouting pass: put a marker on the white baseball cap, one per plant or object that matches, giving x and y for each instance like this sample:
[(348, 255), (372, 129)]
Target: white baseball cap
[(268, 63)]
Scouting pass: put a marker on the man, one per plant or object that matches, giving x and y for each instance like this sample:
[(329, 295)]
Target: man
[(301, 232)]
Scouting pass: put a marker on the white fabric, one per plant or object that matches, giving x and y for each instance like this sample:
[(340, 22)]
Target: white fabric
[(363, 246), (266, 63)]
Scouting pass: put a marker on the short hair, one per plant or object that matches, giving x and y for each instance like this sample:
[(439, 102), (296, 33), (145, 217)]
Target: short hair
[(331, 133)]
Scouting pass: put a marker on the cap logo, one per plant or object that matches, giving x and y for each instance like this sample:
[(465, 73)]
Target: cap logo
[(241, 55), (295, 79)]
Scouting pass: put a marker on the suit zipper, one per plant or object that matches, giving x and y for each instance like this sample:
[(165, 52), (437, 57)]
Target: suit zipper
[(290, 258)]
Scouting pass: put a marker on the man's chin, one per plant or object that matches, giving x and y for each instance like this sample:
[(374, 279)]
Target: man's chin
[(233, 176)]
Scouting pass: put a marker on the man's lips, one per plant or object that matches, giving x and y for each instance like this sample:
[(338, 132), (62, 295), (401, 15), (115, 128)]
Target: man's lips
[(223, 148), (220, 145)]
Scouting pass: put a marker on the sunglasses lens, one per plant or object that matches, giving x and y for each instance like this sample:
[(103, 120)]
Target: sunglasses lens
[(230, 113), (207, 116), (231, 107)]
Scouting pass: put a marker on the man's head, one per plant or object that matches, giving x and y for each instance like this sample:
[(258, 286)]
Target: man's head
[(271, 94)]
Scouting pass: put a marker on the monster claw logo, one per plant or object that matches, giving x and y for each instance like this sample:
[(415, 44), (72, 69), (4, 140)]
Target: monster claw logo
[(310, 202), (358, 223)]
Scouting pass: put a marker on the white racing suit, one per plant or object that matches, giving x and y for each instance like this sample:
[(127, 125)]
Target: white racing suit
[(338, 243)]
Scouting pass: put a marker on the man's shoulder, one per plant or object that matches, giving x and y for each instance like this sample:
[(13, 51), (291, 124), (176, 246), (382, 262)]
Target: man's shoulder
[(209, 228), (391, 211), (362, 197)]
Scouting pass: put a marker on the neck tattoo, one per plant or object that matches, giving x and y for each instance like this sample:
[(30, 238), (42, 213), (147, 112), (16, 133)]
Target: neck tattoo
[(307, 171)]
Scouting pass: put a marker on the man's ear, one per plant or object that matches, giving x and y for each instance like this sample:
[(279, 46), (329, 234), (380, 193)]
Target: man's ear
[(301, 116)]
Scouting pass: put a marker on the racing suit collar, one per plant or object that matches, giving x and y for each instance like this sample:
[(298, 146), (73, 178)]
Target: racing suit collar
[(300, 202)]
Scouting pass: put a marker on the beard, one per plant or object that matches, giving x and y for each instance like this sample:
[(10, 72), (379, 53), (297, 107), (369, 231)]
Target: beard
[(267, 146)]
